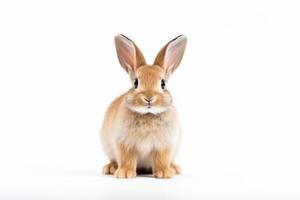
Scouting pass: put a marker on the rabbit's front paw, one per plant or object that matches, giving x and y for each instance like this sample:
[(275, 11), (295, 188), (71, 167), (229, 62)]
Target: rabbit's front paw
[(164, 173), (125, 173)]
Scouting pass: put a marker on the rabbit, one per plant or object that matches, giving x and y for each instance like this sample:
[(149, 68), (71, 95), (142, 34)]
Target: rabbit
[(141, 129)]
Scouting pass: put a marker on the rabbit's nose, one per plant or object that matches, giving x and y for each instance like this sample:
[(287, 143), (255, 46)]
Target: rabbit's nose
[(148, 99)]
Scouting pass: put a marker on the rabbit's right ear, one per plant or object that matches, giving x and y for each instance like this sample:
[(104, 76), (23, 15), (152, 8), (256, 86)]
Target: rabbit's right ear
[(129, 55)]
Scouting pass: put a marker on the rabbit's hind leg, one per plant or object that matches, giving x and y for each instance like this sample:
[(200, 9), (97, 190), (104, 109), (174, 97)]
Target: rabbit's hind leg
[(110, 168), (176, 169)]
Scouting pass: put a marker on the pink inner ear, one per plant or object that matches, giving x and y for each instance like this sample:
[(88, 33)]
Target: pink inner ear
[(174, 54), (127, 54)]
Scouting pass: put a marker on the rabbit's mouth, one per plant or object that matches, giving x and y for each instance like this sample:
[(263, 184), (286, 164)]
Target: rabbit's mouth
[(148, 105), (149, 109)]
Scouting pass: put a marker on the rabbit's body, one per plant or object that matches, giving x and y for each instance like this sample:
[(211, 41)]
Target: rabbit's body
[(141, 129), (144, 132)]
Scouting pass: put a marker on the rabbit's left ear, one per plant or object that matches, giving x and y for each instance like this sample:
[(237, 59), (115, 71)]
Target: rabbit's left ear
[(170, 56)]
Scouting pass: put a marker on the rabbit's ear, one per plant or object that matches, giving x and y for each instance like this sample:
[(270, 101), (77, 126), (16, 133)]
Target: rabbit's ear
[(130, 57), (169, 57)]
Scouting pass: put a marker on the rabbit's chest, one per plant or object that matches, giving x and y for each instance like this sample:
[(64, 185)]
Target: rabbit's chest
[(148, 133)]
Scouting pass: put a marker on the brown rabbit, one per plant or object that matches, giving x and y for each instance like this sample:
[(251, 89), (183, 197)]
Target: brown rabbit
[(141, 129)]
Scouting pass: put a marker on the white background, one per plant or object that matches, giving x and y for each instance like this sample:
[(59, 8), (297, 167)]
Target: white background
[(237, 92)]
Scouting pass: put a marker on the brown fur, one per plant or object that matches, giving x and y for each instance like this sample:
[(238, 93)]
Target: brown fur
[(162, 163), (149, 78), (127, 163), (135, 139)]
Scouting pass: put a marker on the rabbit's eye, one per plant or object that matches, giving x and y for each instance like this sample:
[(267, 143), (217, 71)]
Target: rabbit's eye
[(163, 84), (136, 83)]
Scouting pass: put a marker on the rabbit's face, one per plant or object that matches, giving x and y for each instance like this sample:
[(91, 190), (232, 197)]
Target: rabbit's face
[(149, 93)]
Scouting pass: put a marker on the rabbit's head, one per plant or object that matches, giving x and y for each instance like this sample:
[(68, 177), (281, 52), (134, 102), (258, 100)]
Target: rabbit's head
[(149, 92)]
